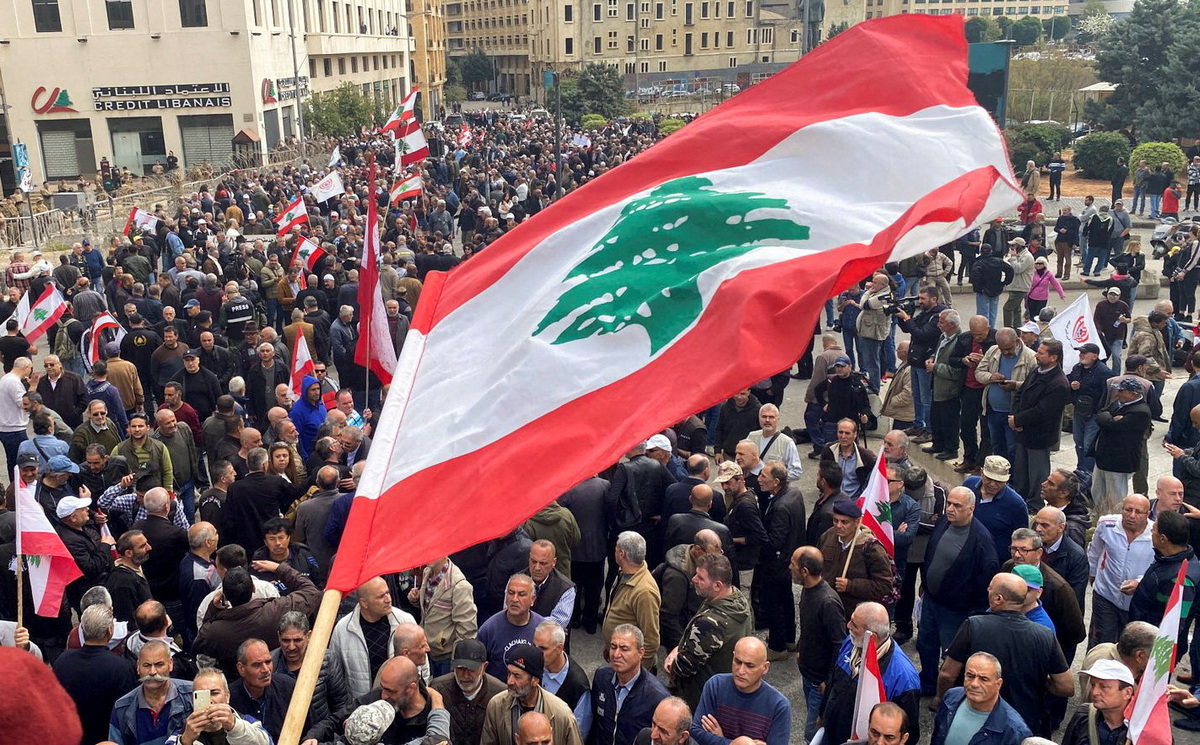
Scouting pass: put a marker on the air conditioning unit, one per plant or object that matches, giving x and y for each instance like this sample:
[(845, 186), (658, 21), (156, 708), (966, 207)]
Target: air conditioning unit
[(68, 200)]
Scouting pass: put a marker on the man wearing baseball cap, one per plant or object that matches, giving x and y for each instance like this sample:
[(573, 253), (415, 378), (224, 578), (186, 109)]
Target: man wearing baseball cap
[(1112, 323), (1112, 689), (1087, 380), (1021, 262), (1123, 426), (524, 693), (93, 557), (467, 690)]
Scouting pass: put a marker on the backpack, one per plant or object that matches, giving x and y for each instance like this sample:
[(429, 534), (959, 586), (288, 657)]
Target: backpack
[(67, 350)]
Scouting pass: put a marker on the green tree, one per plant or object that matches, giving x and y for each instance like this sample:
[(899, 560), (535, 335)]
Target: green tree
[(1056, 28), (477, 70), (834, 30), (339, 112), (455, 93), (1096, 154), (1155, 153), (645, 270), (1163, 117), (1027, 31), (667, 126), (453, 70), (980, 29), (597, 89), (1005, 25), (1136, 54)]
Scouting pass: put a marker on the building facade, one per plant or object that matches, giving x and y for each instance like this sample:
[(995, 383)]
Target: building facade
[(110, 81), (429, 54)]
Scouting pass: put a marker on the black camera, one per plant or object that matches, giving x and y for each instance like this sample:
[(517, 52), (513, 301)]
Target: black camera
[(895, 305)]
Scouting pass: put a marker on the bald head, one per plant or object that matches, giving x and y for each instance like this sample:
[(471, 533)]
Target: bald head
[(701, 497), (1006, 592), (708, 541), (751, 648), (533, 728), (978, 326)]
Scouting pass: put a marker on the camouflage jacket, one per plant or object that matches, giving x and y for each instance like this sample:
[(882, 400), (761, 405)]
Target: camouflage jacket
[(706, 647)]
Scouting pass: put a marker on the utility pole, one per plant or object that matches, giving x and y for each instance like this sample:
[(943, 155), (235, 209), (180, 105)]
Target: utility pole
[(296, 73), (558, 164)]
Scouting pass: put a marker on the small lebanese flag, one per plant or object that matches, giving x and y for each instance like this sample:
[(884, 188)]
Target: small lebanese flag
[(36, 320), (404, 188), (403, 112), (464, 135), (102, 322), (295, 214), (1149, 720), (308, 252), (140, 219), (411, 146), (329, 187), (877, 506), (48, 563), (870, 687), (302, 364)]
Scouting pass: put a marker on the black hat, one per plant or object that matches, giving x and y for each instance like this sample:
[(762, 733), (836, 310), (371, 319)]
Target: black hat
[(469, 653), (846, 508), (192, 353), (525, 657)]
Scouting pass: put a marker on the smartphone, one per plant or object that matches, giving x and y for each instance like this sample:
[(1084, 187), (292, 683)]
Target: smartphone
[(201, 699)]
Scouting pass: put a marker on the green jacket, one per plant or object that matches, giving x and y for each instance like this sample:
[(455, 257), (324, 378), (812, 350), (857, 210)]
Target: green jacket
[(556, 524), (706, 647), (947, 380)]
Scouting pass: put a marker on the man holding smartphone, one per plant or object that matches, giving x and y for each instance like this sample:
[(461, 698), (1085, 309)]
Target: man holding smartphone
[(213, 720)]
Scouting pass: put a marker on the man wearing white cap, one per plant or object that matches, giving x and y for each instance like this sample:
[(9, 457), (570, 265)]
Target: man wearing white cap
[(1021, 262), (1112, 323), (91, 556), (1102, 721)]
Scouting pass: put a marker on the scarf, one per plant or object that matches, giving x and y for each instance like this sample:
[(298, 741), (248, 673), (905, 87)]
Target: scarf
[(857, 654)]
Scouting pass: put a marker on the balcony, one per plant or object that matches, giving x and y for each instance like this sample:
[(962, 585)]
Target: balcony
[(319, 44)]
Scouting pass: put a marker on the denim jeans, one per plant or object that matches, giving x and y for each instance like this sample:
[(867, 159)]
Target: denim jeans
[(936, 630), (1098, 254), (849, 335), (1002, 435), (712, 417), (829, 313), (12, 441), (1114, 355), (275, 315), (812, 706), (888, 353), (815, 425), (1139, 199), (870, 354), (1084, 430), (1155, 203), (922, 392), (987, 307), (187, 498)]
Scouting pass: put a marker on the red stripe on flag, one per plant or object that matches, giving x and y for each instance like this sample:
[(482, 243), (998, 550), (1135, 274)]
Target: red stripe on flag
[(790, 294)]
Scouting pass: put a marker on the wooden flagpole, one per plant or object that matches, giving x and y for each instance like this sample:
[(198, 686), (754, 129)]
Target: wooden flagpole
[(20, 590), (310, 669)]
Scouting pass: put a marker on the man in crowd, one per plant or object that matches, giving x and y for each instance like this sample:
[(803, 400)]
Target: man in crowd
[(1120, 552), (741, 703)]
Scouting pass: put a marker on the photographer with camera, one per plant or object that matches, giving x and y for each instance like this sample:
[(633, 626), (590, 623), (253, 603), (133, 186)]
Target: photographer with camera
[(873, 327), (923, 337)]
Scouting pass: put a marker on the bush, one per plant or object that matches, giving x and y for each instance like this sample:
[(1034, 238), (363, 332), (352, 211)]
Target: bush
[(593, 121), (667, 126), (1036, 142), (1159, 152), (1096, 154)]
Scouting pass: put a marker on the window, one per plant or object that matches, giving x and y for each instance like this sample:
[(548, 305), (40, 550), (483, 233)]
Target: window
[(658, 42), (321, 14), (630, 68), (704, 41), (612, 8), (354, 64), (568, 13), (629, 43), (341, 65), (312, 67), (687, 44), (612, 39), (795, 36), (46, 18), (662, 66), (717, 9), (596, 45), (596, 12), (385, 61), (328, 66), (768, 35), (732, 60), (729, 38), (569, 45), (337, 19), (704, 11), (717, 40), (645, 67), (629, 11), (751, 36), (644, 23), (659, 11), (749, 8), (120, 14), (688, 19), (729, 9), (644, 45), (375, 62)]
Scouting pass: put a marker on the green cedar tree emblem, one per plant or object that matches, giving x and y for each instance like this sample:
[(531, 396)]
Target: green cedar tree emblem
[(1164, 654), (644, 270), (885, 511), (40, 314)]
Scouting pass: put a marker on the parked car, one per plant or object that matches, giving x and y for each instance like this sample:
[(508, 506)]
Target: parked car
[(731, 88), (453, 122), (539, 113), (476, 96)]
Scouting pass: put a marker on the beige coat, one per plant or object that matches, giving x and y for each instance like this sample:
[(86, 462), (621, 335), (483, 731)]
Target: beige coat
[(872, 322), (449, 615), (898, 398), (990, 363), (497, 722), (635, 599)]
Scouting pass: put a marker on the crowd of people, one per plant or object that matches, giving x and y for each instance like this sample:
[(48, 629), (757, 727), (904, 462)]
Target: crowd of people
[(203, 498)]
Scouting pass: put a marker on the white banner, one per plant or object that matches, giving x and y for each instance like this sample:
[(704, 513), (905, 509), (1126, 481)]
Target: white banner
[(1074, 327), (336, 158), (328, 187)]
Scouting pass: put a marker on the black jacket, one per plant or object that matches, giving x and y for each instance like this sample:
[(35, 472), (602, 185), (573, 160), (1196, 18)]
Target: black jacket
[(923, 334), (256, 381), (95, 678), (636, 710), (785, 525), (990, 275), (1071, 563), (734, 424), (271, 710), (964, 587), (129, 590), (251, 502), (169, 544), (683, 529), (575, 685), (201, 390), (1038, 408), (586, 502), (1118, 446), (646, 481), (844, 398), (93, 558), (822, 623)]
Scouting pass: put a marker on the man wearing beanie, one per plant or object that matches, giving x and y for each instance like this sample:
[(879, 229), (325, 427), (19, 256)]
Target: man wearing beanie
[(856, 564), (525, 693)]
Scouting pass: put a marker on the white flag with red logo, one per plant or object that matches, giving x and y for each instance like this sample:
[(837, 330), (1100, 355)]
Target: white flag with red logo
[(328, 187), (1149, 719), (36, 320), (48, 564), (406, 188), (613, 298), (877, 507), (1074, 327), (302, 365), (140, 219), (309, 253), (870, 689), (295, 214)]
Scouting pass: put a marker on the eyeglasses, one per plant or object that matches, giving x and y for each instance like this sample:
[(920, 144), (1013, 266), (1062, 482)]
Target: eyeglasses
[(1021, 550)]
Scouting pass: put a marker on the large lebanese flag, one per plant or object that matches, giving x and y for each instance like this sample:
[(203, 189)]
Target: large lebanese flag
[(374, 350), (404, 112), (877, 507), (48, 563), (295, 214), (1149, 719), (37, 319), (580, 331), (411, 146), (307, 252)]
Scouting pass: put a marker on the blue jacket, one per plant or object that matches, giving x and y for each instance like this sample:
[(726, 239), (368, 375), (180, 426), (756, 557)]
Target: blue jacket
[(964, 588), (901, 685), (308, 418), (1004, 727), (1001, 516), (607, 726), (122, 725), (904, 511)]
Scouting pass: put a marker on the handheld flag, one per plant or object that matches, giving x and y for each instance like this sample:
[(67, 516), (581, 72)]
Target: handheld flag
[(1149, 720), (328, 187), (374, 349), (405, 188), (877, 507), (870, 687), (613, 297), (309, 253), (403, 113), (1074, 327), (336, 158), (140, 219), (302, 364), (464, 135), (411, 146), (104, 324), (295, 214), (45, 312), (48, 563)]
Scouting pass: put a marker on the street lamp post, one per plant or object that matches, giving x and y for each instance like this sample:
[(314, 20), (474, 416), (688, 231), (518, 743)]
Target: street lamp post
[(295, 73), (558, 164)]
